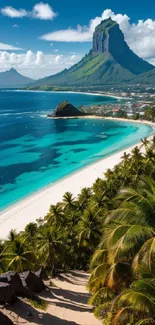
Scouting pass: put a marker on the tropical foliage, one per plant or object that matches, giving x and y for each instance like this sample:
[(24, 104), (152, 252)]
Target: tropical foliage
[(108, 229)]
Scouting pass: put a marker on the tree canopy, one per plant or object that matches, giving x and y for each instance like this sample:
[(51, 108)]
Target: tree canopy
[(108, 229)]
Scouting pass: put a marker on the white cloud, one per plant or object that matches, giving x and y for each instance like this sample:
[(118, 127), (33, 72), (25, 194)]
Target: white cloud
[(13, 13), (36, 65), (58, 58), (73, 57), (25, 59), (69, 35), (41, 11), (7, 47), (15, 26), (39, 58), (140, 36)]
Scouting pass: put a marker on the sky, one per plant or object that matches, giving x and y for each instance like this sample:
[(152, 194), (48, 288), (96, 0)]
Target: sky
[(42, 38)]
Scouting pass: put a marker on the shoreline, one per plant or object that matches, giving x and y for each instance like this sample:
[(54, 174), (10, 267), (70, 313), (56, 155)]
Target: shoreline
[(72, 92), (37, 205), (88, 93), (132, 121), (75, 117), (98, 117)]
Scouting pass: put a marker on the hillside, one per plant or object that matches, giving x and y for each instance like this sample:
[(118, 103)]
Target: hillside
[(13, 79), (145, 78), (109, 62), (99, 69)]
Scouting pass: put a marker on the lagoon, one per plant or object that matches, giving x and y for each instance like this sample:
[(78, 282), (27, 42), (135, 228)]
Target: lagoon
[(36, 151)]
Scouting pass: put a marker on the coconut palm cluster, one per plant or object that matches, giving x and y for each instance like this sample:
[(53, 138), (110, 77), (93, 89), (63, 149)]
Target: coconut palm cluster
[(108, 229)]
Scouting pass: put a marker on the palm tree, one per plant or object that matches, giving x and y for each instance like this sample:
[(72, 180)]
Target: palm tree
[(136, 305), (125, 158), (83, 198), (101, 201), (18, 256), (12, 235), (31, 230), (152, 145), (2, 266), (144, 261), (127, 249), (50, 245), (89, 229), (55, 215), (68, 201), (145, 143), (136, 154), (108, 173), (150, 156), (29, 234)]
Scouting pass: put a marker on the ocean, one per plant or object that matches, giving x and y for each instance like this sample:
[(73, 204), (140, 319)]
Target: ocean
[(36, 151)]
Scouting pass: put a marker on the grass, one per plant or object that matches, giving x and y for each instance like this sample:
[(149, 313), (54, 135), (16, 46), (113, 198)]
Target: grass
[(38, 303), (89, 66)]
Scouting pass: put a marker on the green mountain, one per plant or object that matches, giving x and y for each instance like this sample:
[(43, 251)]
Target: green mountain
[(99, 69), (145, 78), (110, 61)]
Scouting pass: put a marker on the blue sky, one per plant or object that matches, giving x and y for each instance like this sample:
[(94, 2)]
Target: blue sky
[(42, 38)]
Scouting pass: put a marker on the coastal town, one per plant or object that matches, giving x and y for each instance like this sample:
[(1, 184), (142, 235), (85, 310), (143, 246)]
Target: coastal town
[(136, 102)]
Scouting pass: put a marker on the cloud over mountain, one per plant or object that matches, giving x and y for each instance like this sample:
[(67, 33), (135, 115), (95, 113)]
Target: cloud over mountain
[(140, 37), (36, 64)]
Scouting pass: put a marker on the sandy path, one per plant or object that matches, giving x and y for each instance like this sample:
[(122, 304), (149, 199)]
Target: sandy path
[(67, 304)]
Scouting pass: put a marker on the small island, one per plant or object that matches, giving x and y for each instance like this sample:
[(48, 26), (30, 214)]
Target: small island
[(66, 109)]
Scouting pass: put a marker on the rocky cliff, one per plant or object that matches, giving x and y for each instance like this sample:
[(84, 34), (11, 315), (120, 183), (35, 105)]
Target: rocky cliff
[(66, 109), (109, 38), (101, 39)]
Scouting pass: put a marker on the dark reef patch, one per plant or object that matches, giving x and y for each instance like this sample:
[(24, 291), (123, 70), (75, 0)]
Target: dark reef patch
[(78, 150)]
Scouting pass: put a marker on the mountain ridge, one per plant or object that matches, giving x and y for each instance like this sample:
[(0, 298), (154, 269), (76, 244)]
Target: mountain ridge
[(12, 79), (110, 61)]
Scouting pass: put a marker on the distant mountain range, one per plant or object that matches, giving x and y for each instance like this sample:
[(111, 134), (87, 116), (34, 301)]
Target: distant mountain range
[(13, 79), (110, 61)]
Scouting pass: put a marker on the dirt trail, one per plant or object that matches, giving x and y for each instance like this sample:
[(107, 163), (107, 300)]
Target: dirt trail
[(67, 304)]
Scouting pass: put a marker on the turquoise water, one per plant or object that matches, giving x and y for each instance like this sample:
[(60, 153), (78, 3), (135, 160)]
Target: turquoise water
[(35, 151)]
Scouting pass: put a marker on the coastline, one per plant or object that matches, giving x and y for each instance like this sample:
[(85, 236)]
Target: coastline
[(97, 117), (76, 117), (88, 93), (36, 206), (72, 92), (130, 120)]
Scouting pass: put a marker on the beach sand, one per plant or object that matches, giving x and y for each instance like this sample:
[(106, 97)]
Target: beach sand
[(37, 205), (67, 304)]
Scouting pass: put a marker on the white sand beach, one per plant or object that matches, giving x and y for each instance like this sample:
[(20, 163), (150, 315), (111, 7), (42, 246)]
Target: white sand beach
[(37, 205), (90, 93), (73, 92)]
